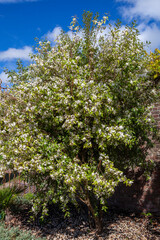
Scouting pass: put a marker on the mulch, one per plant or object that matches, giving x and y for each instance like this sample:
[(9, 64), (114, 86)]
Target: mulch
[(117, 226)]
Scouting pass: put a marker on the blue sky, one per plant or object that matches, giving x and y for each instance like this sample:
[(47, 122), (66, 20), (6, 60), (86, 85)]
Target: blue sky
[(21, 21)]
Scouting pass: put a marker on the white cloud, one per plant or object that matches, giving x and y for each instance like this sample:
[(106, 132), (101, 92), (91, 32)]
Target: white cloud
[(16, 1), (150, 33), (52, 36), (13, 53), (145, 9), (4, 77)]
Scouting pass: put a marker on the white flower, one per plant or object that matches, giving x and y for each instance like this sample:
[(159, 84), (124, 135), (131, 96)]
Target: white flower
[(40, 168), (75, 81), (99, 130)]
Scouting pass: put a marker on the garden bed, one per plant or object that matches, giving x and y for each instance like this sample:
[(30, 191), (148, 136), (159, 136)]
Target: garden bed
[(116, 226)]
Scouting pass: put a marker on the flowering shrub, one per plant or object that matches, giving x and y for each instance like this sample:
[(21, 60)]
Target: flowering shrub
[(79, 115)]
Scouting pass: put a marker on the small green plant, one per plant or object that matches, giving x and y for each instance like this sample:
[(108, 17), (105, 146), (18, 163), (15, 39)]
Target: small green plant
[(6, 197), (21, 203), (2, 214), (15, 233), (148, 217), (28, 196)]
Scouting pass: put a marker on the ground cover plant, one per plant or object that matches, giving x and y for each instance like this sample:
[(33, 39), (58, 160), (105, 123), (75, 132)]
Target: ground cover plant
[(79, 115), (8, 233)]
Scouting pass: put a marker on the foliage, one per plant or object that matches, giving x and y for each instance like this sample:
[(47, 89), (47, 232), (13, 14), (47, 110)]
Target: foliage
[(28, 196), (6, 197), (22, 202), (79, 115), (15, 233), (148, 218), (154, 64)]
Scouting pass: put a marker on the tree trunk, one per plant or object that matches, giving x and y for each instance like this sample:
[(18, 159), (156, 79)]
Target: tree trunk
[(98, 223), (93, 204), (97, 219)]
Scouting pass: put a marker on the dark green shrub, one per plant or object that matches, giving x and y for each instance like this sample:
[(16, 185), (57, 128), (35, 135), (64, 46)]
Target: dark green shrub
[(21, 203), (6, 197)]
